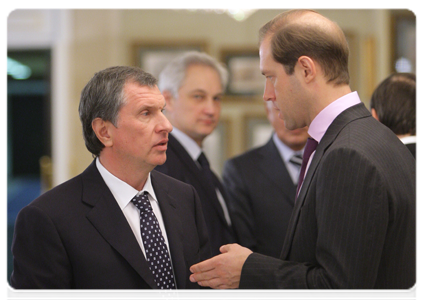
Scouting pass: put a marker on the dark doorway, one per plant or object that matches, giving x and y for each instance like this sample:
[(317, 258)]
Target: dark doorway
[(28, 130)]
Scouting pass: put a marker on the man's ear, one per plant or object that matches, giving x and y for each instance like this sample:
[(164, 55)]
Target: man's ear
[(374, 114), (102, 131), (169, 100), (307, 68)]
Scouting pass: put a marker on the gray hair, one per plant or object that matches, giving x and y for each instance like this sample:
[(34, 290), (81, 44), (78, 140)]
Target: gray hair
[(103, 97), (173, 75)]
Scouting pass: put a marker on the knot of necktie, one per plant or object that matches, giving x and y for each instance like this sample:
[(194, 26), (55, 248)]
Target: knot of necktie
[(142, 203), (202, 160), (296, 159)]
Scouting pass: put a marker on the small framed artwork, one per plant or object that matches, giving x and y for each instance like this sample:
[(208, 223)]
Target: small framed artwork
[(217, 145), (152, 57), (353, 60), (403, 41), (245, 77), (258, 130)]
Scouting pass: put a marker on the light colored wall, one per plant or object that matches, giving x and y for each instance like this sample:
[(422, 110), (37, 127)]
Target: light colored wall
[(102, 38), (107, 37)]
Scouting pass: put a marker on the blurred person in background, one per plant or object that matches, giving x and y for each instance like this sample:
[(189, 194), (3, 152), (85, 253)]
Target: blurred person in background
[(193, 85), (261, 186), (393, 103)]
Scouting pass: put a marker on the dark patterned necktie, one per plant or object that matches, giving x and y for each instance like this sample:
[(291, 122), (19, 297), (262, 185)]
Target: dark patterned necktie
[(310, 146), (155, 247)]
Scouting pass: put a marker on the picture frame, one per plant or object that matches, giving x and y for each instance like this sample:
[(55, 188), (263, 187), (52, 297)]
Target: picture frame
[(353, 61), (258, 130), (153, 56), (217, 145), (245, 78), (403, 41)]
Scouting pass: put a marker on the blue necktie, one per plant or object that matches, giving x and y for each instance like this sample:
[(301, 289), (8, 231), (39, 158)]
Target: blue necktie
[(155, 247)]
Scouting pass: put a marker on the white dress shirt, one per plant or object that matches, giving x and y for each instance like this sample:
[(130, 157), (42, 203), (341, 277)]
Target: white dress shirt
[(411, 139), (124, 193)]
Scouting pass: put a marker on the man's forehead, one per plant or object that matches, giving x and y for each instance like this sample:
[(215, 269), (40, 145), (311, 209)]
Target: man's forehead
[(143, 92)]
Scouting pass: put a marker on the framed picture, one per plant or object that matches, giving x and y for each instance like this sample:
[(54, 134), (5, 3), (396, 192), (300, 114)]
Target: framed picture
[(245, 77), (403, 41), (152, 57), (217, 145), (258, 130), (353, 61)]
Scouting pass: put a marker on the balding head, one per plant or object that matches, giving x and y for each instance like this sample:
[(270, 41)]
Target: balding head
[(299, 33)]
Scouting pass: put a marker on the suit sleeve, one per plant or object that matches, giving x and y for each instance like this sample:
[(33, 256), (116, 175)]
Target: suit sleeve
[(39, 257), (239, 204), (205, 248), (351, 210)]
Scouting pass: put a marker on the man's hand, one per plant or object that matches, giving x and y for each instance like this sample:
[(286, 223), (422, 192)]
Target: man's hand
[(222, 271)]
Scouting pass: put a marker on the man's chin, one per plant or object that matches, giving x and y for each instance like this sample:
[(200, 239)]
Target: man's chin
[(160, 160)]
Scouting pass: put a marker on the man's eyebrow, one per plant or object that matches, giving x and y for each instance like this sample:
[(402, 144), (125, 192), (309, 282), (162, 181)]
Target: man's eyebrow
[(198, 90)]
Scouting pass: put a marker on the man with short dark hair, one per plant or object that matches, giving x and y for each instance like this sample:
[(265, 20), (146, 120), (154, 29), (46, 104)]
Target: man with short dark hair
[(393, 103), (119, 224), (353, 223)]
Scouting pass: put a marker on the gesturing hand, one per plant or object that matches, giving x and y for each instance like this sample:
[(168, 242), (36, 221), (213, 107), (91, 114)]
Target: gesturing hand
[(222, 271)]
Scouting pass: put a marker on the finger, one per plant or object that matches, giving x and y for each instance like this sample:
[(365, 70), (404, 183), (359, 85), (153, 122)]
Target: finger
[(203, 266), (225, 248), (203, 276), (214, 283)]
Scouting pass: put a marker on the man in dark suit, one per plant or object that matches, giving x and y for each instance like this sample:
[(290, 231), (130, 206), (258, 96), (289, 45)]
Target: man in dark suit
[(261, 186), (193, 85), (92, 232), (393, 103), (353, 223)]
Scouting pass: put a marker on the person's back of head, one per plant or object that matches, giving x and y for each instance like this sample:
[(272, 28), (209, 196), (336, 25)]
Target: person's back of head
[(393, 103)]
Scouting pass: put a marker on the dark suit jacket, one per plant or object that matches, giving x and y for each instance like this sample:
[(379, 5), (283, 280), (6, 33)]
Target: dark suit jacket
[(76, 236), (261, 196), (353, 224), (180, 165), (415, 150)]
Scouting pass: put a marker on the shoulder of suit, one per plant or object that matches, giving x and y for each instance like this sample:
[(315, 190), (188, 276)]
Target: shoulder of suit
[(248, 156), (61, 195)]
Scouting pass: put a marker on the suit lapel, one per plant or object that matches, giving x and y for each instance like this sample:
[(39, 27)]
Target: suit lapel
[(197, 175), (107, 217), (169, 210), (275, 166), (351, 114)]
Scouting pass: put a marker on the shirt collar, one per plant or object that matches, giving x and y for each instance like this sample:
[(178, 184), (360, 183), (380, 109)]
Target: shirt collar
[(322, 121), (285, 152), (188, 143), (411, 139), (122, 191)]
